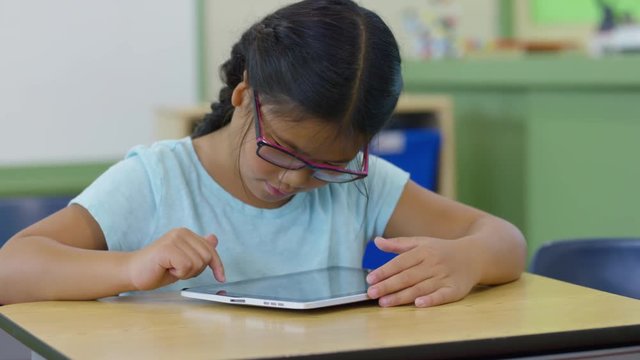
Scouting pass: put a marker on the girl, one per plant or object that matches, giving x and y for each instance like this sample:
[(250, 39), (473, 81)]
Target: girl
[(276, 179)]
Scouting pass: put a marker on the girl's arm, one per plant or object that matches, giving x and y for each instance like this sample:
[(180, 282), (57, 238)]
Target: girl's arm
[(445, 249), (65, 257)]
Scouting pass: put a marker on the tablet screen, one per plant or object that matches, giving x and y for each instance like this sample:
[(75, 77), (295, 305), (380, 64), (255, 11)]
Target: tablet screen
[(307, 286)]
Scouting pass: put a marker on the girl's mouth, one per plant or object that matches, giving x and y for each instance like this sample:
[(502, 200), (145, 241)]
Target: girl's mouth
[(276, 192)]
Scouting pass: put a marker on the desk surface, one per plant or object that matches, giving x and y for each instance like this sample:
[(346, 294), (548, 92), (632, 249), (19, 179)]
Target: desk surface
[(532, 314)]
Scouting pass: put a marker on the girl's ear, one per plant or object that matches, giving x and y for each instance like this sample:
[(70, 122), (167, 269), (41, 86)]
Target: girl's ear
[(238, 92)]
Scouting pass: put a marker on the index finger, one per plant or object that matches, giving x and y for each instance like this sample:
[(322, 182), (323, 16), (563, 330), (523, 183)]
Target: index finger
[(216, 263)]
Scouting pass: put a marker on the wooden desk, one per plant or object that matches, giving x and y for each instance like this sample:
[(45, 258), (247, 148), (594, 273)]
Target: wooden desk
[(532, 315)]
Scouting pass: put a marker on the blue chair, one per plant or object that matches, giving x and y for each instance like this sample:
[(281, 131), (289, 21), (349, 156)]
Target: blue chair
[(20, 212), (611, 265)]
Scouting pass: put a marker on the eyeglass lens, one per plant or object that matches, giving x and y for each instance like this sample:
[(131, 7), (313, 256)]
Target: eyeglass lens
[(287, 161)]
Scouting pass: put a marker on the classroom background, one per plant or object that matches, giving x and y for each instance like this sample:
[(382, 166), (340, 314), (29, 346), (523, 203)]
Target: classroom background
[(543, 96)]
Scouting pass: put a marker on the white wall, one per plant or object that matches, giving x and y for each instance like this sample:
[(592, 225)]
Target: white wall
[(227, 19), (79, 80)]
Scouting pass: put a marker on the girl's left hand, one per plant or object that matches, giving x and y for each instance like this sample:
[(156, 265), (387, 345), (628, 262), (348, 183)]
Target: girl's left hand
[(427, 272)]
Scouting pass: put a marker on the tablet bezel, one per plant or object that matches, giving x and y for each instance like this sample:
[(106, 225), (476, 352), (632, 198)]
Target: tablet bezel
[(274, 301)]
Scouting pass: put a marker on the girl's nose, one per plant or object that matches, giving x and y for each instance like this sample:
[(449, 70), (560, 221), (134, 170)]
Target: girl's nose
[(297, 179)]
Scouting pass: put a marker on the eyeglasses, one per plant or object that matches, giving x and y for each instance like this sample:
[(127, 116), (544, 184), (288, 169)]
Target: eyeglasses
[(284, 158)]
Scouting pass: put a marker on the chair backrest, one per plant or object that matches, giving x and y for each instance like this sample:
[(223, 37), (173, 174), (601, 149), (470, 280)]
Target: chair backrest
[(20, 212), (608, 264)]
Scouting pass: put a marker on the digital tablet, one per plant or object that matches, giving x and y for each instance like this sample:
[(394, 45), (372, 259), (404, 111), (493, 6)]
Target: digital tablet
[(303, 290)]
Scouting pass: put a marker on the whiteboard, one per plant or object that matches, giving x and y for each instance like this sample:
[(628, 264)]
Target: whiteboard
[(80, 80)]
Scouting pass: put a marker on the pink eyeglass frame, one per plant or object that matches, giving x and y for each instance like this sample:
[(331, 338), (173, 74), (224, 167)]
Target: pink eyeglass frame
[(262, 141)]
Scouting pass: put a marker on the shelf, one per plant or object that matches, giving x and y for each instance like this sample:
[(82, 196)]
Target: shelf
[(548, 72)]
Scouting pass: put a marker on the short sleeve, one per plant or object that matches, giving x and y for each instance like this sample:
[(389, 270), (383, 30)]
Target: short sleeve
[(122, 202), (385, 185)]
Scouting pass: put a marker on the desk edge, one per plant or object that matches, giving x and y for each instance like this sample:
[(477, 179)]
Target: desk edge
[(538, 344), (615, 337), (29, 340)]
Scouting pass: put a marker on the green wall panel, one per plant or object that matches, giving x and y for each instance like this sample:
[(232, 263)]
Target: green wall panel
[(584, 165), (49, 180), (551, 12), (490, 146), (549, 143)]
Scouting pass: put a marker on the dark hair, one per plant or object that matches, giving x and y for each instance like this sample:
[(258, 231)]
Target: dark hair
[(333, 59)]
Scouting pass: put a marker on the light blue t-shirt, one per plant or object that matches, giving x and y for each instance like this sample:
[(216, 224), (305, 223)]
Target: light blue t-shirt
[(158, 188)]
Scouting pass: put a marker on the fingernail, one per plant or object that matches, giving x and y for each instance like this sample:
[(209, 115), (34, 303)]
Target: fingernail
[(371, 279), (220, 276), (385, 302)]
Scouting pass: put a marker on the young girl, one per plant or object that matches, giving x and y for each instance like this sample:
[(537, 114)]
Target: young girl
[(276, 179)]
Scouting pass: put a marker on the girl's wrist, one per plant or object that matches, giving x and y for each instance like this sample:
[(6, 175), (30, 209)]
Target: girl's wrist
[(474, 257), (124, 263), (498, 251)]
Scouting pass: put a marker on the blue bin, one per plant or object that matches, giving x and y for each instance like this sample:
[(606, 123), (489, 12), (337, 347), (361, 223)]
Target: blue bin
[(374, 258), (414, 150)]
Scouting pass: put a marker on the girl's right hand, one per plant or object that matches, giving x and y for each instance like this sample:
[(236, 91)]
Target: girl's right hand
[(178, 254)]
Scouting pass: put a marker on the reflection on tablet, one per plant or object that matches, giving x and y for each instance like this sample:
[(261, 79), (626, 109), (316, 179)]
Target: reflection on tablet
[(303, 290)]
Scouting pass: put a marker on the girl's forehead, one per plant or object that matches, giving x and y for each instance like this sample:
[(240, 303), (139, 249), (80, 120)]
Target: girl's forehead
[(314, 138)]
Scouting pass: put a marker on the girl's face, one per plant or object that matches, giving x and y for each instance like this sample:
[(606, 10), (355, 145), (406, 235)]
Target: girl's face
[(272, 186)]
